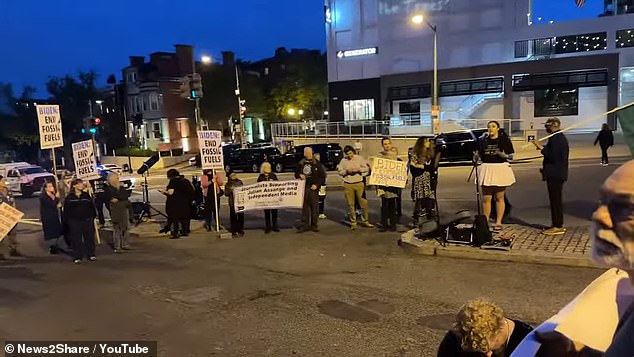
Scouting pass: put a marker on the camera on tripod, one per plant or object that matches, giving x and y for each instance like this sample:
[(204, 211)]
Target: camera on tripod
[(144, 209)]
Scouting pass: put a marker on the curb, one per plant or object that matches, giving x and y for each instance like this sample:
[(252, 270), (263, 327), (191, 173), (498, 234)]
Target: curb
[(464, 252)]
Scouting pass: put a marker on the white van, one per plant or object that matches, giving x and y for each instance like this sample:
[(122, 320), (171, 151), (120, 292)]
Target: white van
[(24, 178)]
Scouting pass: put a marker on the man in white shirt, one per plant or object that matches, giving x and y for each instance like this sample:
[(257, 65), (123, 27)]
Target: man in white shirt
[(353, 168)]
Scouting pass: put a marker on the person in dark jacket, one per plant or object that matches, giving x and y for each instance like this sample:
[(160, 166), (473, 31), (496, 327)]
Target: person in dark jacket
[(50, 217), (605, 140), (178, 205), (236, 218), (270, 215), (101, 199), (555, 173), (119, 213), (79, 212), (313, 174)]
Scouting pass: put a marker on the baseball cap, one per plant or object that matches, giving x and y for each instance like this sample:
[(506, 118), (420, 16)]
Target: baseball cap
[(551, 121)]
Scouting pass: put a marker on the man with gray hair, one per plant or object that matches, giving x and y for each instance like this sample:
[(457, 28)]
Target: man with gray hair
[(313, 174)]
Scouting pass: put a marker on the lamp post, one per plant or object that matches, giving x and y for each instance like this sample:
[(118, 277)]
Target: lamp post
[(435, 108)]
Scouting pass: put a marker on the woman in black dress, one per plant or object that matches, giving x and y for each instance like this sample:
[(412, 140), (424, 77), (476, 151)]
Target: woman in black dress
[(423, 166), (50, 217), (178, 204)]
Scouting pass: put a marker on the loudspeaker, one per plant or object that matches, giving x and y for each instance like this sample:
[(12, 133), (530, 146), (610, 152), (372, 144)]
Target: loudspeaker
[(149, 163), (481, 232)]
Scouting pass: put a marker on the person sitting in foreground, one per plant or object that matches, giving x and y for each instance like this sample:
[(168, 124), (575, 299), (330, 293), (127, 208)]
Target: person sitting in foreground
[(481, 329)]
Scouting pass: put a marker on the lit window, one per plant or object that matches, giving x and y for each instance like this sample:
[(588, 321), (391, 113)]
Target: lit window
[(360, 109)]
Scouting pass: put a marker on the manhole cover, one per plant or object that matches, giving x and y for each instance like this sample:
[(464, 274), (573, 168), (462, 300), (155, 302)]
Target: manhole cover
[(341, 310), (437, 322)]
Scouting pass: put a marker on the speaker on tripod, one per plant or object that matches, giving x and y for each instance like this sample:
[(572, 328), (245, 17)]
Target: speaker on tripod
[(145, 208)]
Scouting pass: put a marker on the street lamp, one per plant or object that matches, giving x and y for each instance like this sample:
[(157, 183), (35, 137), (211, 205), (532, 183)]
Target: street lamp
[(291, 111), (300, 112), (435, 108), (205, 59)]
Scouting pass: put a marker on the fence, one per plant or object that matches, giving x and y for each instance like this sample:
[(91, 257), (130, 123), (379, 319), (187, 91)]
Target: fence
[(403, 126)]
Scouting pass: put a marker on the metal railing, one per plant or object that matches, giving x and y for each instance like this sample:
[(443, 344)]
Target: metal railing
[(405, 126)]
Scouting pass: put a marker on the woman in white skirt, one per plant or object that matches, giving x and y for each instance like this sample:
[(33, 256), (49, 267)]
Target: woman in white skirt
[(495, 173)]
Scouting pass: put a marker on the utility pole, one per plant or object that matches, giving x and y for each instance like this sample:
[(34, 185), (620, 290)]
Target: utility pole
[(243, 136)]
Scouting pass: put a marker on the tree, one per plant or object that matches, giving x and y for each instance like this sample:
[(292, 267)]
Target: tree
[(73, 96), (18, 120)]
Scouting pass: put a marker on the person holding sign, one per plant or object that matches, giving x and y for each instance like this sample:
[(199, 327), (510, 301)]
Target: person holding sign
[(389, 195), (313, 174), (79, 212), (270, 215), (211, 187), (9, 241), (353, 168), (236, 218), (49, 216)]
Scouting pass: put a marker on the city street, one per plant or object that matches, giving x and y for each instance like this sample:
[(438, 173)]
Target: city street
[(332, 293)]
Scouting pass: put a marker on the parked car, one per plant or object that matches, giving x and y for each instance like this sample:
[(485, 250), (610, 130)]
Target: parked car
[(111, 167), (249, 160), (24, 178), (128, 182), (458, 145), (330, 154)]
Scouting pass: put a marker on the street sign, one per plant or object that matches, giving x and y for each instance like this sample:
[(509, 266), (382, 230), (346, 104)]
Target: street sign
[(210, 143), (530, 135), (50, 123), (85, 161)]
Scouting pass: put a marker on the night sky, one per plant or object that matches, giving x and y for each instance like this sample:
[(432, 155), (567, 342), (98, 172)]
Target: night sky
[(56, 37)]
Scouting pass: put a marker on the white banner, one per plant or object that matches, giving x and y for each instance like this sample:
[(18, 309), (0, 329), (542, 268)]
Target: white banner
[(85, 161), (390, 173), (269, 195), (210, 143), (9, 217), (50, 123)]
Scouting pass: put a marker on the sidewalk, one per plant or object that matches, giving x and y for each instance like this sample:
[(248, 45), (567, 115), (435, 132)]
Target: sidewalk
[(529, 246), (581, 147)]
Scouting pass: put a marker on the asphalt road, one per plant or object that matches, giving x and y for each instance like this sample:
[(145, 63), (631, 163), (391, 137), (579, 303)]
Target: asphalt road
[(333, 293)]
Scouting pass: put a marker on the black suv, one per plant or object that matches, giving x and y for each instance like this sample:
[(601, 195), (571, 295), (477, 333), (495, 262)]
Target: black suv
[(457, 145), (250, 160), (330, 155)]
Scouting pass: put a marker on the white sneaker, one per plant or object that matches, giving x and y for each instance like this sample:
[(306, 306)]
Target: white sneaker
[(322, 216)]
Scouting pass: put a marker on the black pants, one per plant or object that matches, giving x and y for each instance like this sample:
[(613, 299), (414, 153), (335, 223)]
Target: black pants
[(100, 202), (270, 218), (210, 211), (399, 205), (82, 237), (555, 188), (322, 204), (604, 154), (310, 210), (388, 212), (236, 220), (179, 226)]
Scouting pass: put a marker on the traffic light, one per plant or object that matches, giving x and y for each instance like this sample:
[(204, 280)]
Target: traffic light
[(243, 108), (97, 121), (196, 87)]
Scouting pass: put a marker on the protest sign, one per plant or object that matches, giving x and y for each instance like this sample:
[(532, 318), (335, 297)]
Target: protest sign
[(85, 161), (9, 217), (50, 123), (390, 173), (210, 143), (269, 195)]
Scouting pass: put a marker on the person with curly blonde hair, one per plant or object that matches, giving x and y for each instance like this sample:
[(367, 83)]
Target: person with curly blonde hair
[(481, 329)]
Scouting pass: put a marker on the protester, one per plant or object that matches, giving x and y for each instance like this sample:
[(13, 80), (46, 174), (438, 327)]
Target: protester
[(101, 199), (270, 215), (79, 211), (314, 175), (605, 140), (236, 218), (180, 195), (389, 195), (481, 329), (322, 193), (612, 238), (555, 173), (423, 166), (353, 168), (495, 149), (119, 214), (50, 217), (9, 245), (211, 195)]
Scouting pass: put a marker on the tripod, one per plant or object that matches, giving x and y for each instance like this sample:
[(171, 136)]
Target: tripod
[(147, 208), (481, 232)]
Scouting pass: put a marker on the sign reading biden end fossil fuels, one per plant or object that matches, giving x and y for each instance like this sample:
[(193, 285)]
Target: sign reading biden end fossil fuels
[(50, 123), (210, 143), (270, 195), (389, 173)]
